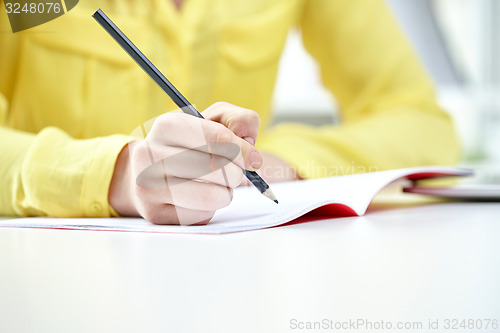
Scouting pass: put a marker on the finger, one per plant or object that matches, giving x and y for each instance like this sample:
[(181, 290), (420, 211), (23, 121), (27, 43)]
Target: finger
[(201, 160), (188, 194), (154, 177), (189, 165), (244, 123), (210, 157), (245, 182), (171, 215), (185, 131)]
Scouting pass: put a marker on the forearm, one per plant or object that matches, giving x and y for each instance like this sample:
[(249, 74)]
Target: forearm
[(388, 111), (395, 138)]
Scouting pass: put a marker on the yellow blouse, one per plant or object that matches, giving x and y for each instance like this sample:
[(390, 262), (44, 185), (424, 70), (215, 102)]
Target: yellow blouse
[(69, 94)]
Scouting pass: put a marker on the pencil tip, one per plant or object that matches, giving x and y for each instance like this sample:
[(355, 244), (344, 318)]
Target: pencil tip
[(269, 194)]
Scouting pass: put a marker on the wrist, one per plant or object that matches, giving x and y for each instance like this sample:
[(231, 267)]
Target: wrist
[(121, 188)]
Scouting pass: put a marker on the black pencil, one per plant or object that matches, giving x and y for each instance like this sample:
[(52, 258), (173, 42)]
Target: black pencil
[(167, 86)]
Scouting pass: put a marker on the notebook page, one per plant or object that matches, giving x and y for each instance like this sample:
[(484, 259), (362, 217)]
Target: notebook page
[(250, 210)]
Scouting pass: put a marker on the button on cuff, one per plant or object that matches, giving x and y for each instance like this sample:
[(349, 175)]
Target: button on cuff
[(96, 208)]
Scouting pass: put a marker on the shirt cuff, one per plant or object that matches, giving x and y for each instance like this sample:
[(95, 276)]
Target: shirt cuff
[(95, 189), (66, 177)]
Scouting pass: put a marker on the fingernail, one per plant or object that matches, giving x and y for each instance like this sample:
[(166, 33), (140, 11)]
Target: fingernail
[(255, 160), (250, 140)]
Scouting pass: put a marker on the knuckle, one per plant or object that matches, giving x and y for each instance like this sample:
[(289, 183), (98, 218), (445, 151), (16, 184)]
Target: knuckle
[(160, 215), (209, 198), (168, 121), (139, 152), (153, 216), (216, 197), (237, 128), (221, 134), (228, 197), (252, 117), (221, 105), (247, 116), (234, 175), (224, 196), (163, 119)]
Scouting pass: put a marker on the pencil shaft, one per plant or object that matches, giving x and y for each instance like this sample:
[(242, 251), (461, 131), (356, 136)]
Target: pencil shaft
[(164, 83), (145, 63)]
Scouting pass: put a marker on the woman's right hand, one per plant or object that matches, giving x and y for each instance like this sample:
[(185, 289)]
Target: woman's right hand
[(186, 167)]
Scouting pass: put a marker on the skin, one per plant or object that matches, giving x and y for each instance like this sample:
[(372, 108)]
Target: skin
[(175, 175), (186, 168), (273, 166), (178, 3)]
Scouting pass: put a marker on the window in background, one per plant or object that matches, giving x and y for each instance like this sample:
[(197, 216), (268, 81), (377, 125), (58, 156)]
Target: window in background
[(472, 34), (299, 94), (459, 43)]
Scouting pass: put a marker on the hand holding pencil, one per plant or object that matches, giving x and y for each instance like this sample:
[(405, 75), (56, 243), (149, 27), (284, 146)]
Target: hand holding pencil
[(187, 167), (219, 145)]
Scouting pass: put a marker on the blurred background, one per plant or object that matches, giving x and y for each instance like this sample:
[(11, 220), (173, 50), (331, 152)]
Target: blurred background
[(459, 43)]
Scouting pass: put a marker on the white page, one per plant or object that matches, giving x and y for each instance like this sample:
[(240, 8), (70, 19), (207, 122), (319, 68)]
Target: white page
[(250, 210)]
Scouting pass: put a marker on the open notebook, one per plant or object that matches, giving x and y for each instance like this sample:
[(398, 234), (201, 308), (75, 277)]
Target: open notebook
[(332, 197)]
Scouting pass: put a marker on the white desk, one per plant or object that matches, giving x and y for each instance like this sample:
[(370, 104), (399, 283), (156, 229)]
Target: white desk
[(407, 263)]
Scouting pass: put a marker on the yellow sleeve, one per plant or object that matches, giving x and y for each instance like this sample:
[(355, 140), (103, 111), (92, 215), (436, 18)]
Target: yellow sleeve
[(389, 116), (53, 174), (49, 173)]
